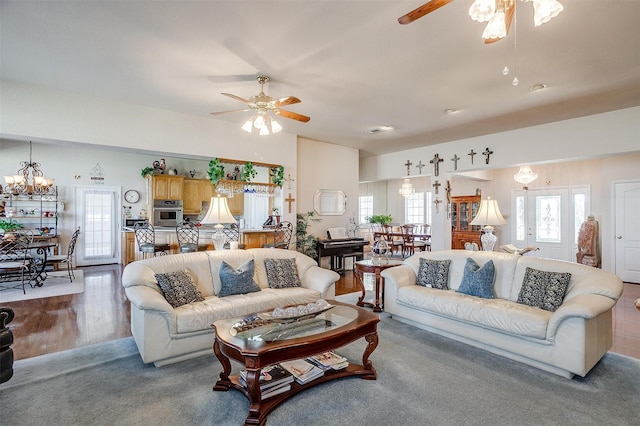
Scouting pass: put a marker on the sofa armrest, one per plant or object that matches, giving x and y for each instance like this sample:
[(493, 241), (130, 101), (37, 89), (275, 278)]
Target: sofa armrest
[(320, 279), (585, 306), (146, 298), (399, 276)]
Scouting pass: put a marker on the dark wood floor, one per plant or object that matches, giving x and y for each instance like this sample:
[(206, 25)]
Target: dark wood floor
[(102, 313)]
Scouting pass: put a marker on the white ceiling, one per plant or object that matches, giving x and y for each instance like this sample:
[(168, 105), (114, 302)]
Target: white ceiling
[(350, 62)]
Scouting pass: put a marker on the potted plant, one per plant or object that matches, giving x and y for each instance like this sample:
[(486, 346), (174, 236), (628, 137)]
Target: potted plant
[(249, 172), (8, 228), (305, 242), (147, 172), (277, 175), (382, 219), (216, 171)]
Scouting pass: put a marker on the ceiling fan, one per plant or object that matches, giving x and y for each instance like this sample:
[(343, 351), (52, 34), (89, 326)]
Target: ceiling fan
[(498, 14), (262, 104)]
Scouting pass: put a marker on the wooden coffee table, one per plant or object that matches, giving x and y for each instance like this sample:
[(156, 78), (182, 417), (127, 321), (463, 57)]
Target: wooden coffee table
[(330, 330)]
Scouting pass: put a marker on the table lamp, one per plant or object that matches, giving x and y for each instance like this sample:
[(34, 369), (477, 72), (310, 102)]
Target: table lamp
[(488, 214), (219, 214)]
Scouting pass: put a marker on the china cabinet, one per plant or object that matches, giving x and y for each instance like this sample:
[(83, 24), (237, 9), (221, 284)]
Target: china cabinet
[(463, 210)]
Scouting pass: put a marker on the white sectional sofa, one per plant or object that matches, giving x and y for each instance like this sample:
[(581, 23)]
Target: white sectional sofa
[(165, 334), (567, 341)]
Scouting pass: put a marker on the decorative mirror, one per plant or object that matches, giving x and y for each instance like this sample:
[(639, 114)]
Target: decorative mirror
[(330, 202)]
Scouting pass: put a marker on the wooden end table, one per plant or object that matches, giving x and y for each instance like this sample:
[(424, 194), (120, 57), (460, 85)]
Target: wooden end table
[(330, 330), (369, 266)]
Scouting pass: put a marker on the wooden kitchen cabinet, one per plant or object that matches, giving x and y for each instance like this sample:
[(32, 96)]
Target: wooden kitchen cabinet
[(463, 210), (167, 187), (257, 239), (196, 192)]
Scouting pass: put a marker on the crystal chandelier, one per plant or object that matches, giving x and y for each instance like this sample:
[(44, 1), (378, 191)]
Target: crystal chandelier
[(29, 180), (406, 189), (495, 13), (262, 124), (525, 176)]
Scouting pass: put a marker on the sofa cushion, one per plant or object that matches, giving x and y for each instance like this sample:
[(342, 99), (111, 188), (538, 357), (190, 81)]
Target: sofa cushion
[(478, 281), (237, 281), (282, 273), (434, 273), (544, 289), (179, 288)]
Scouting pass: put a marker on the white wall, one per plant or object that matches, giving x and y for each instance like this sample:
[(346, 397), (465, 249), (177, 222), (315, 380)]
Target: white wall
[(326, 166)]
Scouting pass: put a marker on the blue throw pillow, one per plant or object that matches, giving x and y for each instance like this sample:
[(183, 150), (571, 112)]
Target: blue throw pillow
[(478, 281), (237, 281)]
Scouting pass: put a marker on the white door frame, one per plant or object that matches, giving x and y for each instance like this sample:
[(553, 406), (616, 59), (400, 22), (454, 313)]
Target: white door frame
[(626, 231)]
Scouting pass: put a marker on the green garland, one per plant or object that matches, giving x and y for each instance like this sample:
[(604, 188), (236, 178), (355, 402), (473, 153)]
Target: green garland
[(249, 172), (277, 175), (216, 171)]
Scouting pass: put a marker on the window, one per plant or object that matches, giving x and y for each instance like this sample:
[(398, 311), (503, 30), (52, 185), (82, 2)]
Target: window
[(417, 208), (365, 207)]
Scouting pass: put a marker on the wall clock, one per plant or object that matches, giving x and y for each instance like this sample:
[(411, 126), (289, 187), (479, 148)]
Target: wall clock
[(132, 196)]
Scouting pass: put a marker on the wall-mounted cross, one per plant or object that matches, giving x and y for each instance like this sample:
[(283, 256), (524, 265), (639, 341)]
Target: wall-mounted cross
[(487, 153), (436, 164), (455, 161), (419, 166), (472, 153), (448, 189), (289, 200), (437, 202), (289, 179), (436, 186), (408, 164)]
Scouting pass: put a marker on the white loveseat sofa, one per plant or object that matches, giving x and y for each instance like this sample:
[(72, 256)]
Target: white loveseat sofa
[(568, 341), (166, 335)]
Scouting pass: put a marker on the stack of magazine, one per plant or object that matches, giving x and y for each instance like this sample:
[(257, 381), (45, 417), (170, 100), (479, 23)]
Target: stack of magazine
[(274, 380), (329, 361), (303, 371)]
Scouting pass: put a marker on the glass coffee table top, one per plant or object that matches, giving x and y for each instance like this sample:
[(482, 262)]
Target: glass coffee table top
[(243, 330)]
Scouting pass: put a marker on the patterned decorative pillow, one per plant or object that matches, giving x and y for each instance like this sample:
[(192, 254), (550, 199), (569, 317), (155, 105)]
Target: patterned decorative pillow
[(237, 281), (434, 273), (478, 281), (179, 288), (282, 273), (544, 289)]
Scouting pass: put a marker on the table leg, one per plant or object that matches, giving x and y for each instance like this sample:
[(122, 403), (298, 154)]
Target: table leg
[(360, 282), (224, 383), (372, 344), (379, 289)]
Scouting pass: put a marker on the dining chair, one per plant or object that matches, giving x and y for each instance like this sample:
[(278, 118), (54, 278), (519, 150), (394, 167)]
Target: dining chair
[(231, 234), (410, 241), (15, 261), (422, 234), (146, 238), (67, 259), (395, 242), (282, 235), (188, 236)]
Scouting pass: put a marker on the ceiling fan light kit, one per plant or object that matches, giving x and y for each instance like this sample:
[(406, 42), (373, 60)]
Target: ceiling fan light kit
[(262, 123), (498, 14)]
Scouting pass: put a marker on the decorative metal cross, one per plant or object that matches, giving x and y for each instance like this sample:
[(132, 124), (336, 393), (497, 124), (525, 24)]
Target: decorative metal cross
[(289, 200), (419, 166), (289, 179), (487, 153), (472, 153), (448, 190), (408, 164), (436, 164), (455, 161), (436, 186), (437, 202)]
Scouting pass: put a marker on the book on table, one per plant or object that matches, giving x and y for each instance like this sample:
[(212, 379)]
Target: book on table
[(271, 377), (303, 371), (329, 361)]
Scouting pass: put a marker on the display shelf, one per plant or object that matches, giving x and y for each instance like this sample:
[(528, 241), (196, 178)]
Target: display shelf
[(34, 212)]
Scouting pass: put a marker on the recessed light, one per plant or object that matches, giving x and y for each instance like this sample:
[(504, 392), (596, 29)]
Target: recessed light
[(381, 129), (538, 86), (450, 111)]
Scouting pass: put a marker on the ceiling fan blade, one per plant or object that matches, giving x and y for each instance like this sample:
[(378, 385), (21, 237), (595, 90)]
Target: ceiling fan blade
[(508, 18), (228, 112), (292, 115), (289, 100), (422, 10), (237, 98)]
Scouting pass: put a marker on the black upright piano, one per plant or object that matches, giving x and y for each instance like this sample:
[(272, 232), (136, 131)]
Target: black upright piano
[(339, 248)]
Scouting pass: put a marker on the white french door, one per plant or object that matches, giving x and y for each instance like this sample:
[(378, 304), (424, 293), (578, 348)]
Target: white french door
[(97, 214), (627, 230), (549, 219)]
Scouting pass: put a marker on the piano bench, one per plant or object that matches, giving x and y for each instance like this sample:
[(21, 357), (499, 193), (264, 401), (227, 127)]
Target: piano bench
[(356, 256)]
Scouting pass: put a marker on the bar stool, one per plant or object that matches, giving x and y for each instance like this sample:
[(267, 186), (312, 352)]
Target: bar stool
[(146, 238)]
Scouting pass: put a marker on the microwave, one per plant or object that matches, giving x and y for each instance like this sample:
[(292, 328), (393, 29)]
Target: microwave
[(167, 212)]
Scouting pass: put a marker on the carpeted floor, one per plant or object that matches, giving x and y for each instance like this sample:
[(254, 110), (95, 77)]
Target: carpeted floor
[(56, 284), (423, 379)]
